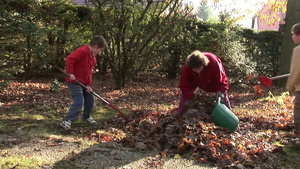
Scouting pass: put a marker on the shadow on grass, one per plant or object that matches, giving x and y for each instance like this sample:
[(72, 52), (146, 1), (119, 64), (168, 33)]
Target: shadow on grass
[(290, 157)]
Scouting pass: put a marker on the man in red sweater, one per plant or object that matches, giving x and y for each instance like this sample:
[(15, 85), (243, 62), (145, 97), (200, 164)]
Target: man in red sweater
[(80, 64), (203, 70)]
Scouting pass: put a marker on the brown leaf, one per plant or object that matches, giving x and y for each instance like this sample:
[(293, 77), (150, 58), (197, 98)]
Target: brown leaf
[(52, 144)]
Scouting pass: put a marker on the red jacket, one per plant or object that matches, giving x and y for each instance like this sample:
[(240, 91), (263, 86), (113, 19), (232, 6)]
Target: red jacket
[(211, 79), (80, 63)]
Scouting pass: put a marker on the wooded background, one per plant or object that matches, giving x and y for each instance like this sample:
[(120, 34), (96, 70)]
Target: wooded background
[(142, 36)]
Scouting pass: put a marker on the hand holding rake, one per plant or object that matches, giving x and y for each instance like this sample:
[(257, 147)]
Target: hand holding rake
[(121, 114)]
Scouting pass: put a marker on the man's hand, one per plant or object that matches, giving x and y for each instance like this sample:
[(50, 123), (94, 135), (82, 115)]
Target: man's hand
[(192, 101), (72, 77), (219, 94), (188, 102), (289, 90), (89, 89)]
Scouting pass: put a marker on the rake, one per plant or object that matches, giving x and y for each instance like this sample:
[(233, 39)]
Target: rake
[(268, 81), (121, 114)]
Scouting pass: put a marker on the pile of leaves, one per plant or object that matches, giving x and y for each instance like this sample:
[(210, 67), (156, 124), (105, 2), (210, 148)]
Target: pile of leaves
[(194, 134)]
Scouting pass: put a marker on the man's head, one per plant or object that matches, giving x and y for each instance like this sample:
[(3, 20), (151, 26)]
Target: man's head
[(97, 44), (197, 61), (296, 29)]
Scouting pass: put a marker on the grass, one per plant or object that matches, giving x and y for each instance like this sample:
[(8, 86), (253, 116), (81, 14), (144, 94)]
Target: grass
[(40, 123), (20, 162), (291, 156), (278, 99)]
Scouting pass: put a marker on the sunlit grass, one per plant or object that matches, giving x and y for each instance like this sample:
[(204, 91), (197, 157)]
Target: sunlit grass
[(103, 112), (21, 162), (278, 99)]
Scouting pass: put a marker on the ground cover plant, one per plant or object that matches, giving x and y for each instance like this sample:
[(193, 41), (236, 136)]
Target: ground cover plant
[(32, 109)]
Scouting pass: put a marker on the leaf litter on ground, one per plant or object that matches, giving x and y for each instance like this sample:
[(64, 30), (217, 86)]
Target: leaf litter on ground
[(150, 123)]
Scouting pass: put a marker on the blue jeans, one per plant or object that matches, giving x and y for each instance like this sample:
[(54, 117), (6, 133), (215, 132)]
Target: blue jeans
[(80, 98)]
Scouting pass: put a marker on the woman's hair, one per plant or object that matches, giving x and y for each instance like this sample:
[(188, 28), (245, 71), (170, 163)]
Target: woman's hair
[(99, 41), (197, 59), (296, 29)]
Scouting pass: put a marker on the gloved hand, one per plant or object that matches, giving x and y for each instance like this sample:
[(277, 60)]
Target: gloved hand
[(197, 97), (187, 103), (192, 101), (220, 94)]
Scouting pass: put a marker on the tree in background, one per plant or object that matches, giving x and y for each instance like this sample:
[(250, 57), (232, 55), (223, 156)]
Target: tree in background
[(67, 27), (291, 7), (271, 16), (35, 34), (141, 36), (204, 12), (136, 32), (292, 17), (21, 33)]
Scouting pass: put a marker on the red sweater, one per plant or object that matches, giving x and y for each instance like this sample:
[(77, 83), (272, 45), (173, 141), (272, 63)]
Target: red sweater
[(80, 63), (211, 79)]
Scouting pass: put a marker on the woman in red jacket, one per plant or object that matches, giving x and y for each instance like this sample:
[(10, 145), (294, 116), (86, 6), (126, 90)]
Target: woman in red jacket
[(203, 70), (80, 64)]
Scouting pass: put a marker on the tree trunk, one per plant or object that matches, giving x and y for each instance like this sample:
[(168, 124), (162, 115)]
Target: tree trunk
[(28, 55), (120, 80), (174, 63), (292, 17), (102, 64)]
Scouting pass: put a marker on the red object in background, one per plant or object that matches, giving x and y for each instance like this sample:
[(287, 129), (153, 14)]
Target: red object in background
[(268, 81), (265, 81)]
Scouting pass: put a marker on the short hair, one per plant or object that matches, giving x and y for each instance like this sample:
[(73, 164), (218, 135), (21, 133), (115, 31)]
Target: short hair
[(99, 41), (296, 29), (197, 59)]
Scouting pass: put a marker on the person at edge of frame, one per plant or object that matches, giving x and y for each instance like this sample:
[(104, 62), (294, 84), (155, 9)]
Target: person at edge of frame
[(293, 82)]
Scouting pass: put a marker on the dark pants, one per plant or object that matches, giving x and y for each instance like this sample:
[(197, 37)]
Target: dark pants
[(297, 113), (80, 99)]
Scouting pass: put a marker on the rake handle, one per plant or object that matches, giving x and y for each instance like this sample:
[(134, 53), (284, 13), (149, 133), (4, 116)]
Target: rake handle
[(85, 87), (279, 77), (95, 94)]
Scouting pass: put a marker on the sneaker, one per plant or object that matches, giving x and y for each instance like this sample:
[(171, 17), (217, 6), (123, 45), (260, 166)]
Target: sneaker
[(90, 120), (66, 124), (294, 140)]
